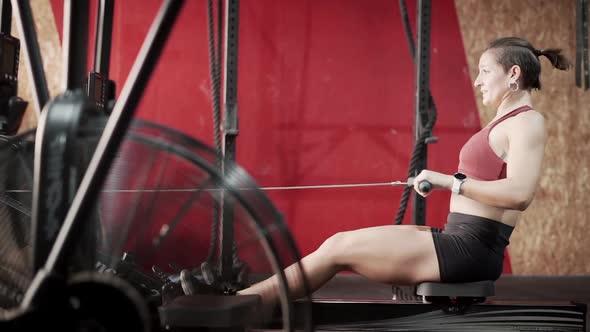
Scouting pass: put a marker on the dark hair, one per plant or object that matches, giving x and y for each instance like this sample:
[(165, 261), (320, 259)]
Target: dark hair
[(512, 51)]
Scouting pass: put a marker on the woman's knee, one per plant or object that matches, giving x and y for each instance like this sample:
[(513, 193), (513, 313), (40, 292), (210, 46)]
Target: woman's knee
[(342, 247), (336, 243)]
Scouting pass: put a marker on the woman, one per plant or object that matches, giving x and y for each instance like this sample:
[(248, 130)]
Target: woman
[(498, 173)]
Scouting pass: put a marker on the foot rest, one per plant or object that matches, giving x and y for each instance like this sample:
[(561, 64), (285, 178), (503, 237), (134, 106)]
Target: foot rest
[(210, 311), (470, 289)]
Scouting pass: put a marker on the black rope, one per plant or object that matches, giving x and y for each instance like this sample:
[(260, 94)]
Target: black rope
[(219, 44), (215, 58), (427, 133), (215, 77)]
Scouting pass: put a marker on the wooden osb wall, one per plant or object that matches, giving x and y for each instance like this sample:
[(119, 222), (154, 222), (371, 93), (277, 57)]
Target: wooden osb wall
[(50, 47), (552, 237)]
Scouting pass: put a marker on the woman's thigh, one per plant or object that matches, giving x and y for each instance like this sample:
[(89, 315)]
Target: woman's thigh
[(391, 254)]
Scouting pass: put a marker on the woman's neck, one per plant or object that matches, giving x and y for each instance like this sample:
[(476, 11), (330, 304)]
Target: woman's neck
[(513, 101)]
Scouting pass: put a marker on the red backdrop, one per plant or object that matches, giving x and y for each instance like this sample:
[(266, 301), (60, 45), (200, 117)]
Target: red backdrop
[(326, 96)]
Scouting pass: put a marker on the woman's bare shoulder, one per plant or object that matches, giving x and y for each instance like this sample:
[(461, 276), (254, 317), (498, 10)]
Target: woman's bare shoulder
[(531, 124)]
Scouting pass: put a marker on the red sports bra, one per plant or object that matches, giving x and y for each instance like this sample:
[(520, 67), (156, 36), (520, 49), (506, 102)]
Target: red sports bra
[(477, 160)]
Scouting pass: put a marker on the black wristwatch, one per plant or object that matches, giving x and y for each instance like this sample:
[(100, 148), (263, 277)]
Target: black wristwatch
[(458, 179)]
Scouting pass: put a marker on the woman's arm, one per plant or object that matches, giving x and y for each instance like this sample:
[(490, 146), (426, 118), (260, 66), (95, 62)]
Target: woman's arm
[(527, 136)]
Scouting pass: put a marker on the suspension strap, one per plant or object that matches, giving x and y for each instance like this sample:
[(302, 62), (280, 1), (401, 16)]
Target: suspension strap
[(582, 70)]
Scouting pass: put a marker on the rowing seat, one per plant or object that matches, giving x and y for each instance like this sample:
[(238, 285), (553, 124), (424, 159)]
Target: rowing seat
[(455, 297)]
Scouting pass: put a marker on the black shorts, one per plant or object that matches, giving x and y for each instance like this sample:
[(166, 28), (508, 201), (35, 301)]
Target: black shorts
[(470, 248)]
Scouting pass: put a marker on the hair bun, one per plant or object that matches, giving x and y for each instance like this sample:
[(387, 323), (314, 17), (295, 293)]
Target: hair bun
[(538, 53)]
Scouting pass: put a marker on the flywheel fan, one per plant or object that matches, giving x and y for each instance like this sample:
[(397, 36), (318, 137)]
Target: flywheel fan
[(157, 210), (165, 214), (16, 177)]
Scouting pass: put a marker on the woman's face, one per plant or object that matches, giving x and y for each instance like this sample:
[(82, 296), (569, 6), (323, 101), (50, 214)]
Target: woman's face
[(492, 80)]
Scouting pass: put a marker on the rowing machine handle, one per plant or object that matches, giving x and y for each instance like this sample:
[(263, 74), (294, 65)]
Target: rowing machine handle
[(425, 186)]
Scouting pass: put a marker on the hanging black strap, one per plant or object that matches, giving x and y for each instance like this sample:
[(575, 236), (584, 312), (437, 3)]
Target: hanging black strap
[(585, 44), (582, 70)]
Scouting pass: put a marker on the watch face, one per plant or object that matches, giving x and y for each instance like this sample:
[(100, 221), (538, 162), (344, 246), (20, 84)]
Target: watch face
[(460, 176)]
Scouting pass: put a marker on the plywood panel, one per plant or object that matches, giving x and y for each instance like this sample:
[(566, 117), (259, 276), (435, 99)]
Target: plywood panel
[(552, 236), (50, 52)]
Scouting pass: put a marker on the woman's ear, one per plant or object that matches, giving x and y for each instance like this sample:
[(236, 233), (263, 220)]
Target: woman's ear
[(515, 72)]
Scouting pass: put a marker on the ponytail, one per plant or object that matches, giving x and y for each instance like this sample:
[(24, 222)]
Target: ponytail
[(557, 59)]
